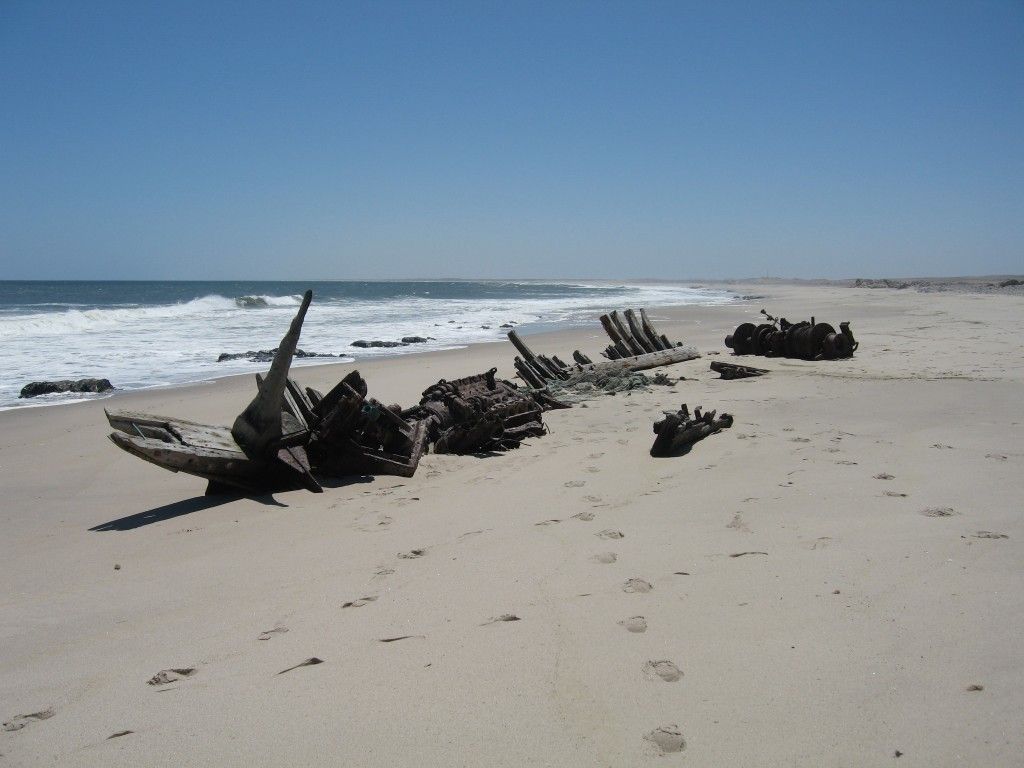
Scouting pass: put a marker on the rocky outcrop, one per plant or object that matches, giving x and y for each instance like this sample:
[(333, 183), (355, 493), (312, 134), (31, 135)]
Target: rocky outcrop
[(266, 355), (37, 388), (388, 344)]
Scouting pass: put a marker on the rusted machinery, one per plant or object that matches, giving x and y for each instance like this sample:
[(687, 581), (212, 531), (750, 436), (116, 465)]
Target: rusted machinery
[(481, 413), (353, 434), (804, 340), (678, 431), (636, 346)]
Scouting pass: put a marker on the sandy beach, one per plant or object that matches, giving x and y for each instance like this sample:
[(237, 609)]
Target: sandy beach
[(837, 580)]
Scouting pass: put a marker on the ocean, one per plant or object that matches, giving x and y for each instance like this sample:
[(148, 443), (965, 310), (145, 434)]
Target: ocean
[(151, 334)]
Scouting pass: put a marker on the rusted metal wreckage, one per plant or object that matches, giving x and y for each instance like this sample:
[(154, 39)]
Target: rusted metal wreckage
[(678, 431), (804, 340)]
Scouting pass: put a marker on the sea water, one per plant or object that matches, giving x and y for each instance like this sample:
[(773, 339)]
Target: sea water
[(151, 334)]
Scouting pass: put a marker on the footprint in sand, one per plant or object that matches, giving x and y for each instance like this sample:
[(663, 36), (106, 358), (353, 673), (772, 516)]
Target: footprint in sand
[(584, 516), (939, 512), (799, 440), (847, 462), (593, 470), (18, 722), (384, 571), (503, 617), (593, 499), (896, 494), (360, 602), (412, 554), (119, 734), (608, 533), (575, 484), (737, 524), (271, 632), (552, 521), (667, 738), (942, 446), (636, 624), (165, 676), (996, 456), (605, 557), (594, 455), (883, 476), (989, 535), (663, 669), (819, 543), (637, 586)]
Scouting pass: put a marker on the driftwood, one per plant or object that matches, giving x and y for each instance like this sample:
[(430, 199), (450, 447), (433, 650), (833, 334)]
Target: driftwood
[(734, 371), (804, 340), (636, 345), (678, 431)]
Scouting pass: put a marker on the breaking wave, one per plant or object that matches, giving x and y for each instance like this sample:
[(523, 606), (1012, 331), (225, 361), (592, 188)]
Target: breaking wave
[(153, 335)]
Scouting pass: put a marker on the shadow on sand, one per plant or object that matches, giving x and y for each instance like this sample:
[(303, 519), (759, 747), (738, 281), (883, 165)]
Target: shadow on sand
[(177, 509)]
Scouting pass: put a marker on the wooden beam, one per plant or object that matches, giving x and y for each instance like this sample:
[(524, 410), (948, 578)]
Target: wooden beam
[(638, 332)]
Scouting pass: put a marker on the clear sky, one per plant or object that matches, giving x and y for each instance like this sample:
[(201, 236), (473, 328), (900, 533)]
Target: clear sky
[(248, 140)]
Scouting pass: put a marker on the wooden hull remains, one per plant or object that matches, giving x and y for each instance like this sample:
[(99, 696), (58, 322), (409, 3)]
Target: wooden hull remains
[(289, 434), (636, 346)]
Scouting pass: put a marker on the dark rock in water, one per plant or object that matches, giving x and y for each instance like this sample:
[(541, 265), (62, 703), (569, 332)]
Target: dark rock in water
[(1009, 283), (37, 388), (250, 302), (751, 297), (506, 325), (266, 355), (366, 344), (416, 339), (486, 327)]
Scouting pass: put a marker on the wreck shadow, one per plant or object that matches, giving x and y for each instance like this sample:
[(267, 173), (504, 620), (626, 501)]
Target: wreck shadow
[(341, 482), (674, 454), (177, 509)]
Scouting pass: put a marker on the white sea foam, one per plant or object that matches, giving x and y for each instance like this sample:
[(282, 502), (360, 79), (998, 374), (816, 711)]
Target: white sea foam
[(145, 346)]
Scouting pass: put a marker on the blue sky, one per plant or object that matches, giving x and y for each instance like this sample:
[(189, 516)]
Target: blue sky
[(209, 140)]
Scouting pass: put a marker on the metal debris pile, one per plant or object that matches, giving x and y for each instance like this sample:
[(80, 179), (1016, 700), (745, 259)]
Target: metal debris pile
[(804, 340), (481, 413), (678, 431)]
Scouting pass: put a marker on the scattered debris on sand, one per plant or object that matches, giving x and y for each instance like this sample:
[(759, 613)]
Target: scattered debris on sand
[(733, 371), (678, 431)]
